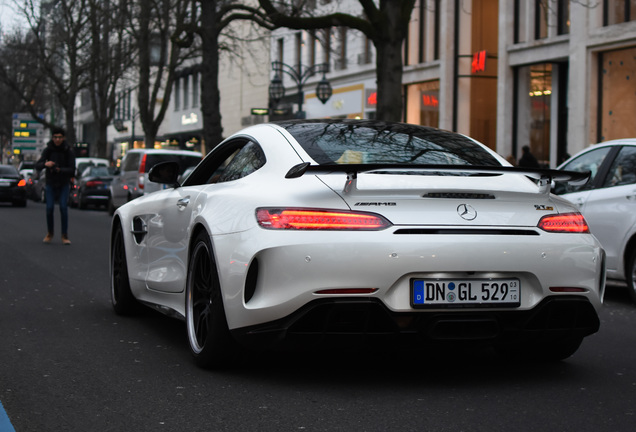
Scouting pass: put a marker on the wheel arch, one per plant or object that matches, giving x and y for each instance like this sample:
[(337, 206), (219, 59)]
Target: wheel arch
[(630, 248)]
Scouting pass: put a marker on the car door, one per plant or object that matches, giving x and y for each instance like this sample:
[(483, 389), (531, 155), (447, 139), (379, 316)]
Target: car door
[(170, 212), (168, 223), (610, 209)]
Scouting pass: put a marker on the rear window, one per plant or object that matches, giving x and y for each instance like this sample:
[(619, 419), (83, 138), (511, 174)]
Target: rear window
[(8, 170), (371, 142), (184, 161)]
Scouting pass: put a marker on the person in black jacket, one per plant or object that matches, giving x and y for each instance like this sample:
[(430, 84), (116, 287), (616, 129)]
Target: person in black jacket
[(528, 159), (59, 161)]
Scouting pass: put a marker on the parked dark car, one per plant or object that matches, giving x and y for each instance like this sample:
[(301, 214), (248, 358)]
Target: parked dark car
[(92, 187), (12, 186)]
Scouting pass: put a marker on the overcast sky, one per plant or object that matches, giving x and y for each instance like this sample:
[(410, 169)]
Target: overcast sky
[(8, 16)]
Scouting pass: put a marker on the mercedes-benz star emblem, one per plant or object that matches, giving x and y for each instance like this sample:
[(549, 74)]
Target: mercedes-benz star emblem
[(466, 212)]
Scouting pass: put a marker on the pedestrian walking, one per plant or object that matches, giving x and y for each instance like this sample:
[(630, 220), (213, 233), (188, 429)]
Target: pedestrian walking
[(59, 162)]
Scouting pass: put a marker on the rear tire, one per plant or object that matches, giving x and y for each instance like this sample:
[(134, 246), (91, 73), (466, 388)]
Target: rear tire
[(210, 340), (121, 296), (630, 274)]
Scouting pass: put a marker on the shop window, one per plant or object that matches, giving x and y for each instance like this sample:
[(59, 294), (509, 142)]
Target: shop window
[(534, 109), (423, 104), (617, 103)]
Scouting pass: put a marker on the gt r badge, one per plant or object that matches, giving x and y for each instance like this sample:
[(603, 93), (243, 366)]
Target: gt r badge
[(543, 207), (466, 212)]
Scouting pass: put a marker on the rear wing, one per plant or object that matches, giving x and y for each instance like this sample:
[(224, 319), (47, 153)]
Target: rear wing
[(544, 177)]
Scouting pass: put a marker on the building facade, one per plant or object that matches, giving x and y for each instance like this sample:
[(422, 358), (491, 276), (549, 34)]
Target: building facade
[(556, 75)]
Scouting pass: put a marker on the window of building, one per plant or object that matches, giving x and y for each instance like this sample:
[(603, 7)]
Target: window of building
[(534, 109), (367, 55), (312, 47), (421, 33), (279, 49), (298, 50), (422, 105), (423, 29), (618, 11), (541, 19), (326, 45), (520, 13), (177, 94), (563, 17), (195, 90), (617, 103), (341, 61), (186, 91)]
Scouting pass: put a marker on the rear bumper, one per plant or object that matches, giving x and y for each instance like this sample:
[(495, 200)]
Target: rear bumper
[(354, 323), (9, 194)]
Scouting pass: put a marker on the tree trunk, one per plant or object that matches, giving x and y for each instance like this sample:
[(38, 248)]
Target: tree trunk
[(389, 81), (210, 93)]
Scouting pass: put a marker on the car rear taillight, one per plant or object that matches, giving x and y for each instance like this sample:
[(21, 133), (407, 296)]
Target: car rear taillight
[(94, 183), (22, 183), (142, 170), (313, 219), (566, 223)]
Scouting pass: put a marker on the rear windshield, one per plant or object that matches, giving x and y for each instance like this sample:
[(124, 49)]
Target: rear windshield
[(97, 171), (184, 161), (8, 170), (370, 142)]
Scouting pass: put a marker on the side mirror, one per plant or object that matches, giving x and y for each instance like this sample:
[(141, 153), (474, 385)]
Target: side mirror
[(165, 173)]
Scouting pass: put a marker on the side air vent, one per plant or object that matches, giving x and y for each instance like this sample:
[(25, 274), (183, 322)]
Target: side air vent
[(458, 195), (139, 229)]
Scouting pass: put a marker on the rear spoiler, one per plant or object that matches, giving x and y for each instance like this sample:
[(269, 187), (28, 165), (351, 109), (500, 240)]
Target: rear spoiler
[(544, 177)]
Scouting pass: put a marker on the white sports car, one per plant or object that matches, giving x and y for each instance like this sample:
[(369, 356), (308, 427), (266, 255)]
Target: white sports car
[(315, 233)]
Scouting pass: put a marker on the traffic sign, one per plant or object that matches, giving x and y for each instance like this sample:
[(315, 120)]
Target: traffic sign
[(28, 134)]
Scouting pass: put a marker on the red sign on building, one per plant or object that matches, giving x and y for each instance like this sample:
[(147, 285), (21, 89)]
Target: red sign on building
[(479, 62)]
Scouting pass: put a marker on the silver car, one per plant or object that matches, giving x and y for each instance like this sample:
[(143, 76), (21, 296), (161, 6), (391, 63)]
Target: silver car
[(131, 180), (608, 202)]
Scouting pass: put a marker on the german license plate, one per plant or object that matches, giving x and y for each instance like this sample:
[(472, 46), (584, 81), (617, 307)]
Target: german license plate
[(465, 293)]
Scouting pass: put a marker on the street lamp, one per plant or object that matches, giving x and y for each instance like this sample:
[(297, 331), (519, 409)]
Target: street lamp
[(300, 76)]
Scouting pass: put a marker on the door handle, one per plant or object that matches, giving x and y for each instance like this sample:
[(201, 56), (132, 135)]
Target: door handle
[(183, 203)]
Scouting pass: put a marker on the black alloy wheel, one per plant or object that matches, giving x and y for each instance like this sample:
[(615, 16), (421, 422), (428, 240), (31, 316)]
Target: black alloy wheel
[(121, 296), (630, 273), (210, 340)]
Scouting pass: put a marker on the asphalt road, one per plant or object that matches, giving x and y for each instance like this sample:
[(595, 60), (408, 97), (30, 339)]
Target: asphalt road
[(68, 363)]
